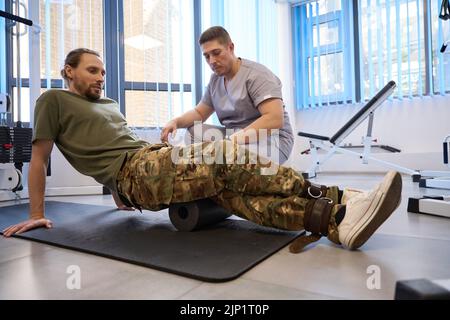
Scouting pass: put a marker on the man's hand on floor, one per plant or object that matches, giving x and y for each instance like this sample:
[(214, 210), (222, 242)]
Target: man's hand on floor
[(124, 207), (120, 205), (26, 226)]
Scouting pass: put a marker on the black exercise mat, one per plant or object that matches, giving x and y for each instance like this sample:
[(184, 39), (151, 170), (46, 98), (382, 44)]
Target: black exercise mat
[(217, 253)]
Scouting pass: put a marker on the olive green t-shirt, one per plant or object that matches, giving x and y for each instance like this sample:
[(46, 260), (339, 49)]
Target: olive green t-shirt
[(91, 134)]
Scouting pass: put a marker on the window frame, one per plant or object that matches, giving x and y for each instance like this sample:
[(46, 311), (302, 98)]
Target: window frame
[(115, 84), (303, 83), (114, 48)]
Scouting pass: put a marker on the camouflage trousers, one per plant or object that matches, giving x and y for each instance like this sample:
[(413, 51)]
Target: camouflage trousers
[(151, 179)]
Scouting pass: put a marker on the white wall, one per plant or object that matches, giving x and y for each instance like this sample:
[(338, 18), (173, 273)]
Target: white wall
[(64, 180)]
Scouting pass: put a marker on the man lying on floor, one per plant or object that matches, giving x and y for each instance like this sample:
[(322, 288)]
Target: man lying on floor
[(93, 136)]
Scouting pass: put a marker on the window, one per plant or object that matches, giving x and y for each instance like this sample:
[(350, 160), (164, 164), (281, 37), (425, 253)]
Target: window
[(392, 46), (157, 61), (65, 25), (258, 41), (158, 37), (345, 51), (322, 54), (259, 38)]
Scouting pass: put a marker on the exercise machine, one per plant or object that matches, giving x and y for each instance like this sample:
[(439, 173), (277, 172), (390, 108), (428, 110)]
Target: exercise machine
[(434, 205), (15, 140), (335, 143), (15, 149), (445, 10), (438, 179)]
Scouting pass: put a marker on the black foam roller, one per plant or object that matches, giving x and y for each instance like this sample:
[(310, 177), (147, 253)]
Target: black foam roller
[(190, 216)]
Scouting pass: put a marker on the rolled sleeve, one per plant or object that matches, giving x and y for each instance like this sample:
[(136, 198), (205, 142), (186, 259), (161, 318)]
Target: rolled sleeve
[(46, 119), (261, 88)]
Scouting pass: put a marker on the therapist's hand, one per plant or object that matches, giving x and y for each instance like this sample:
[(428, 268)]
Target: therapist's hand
[(170, 127)]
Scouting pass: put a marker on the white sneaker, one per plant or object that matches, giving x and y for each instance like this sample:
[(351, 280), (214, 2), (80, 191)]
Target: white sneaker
[(366, 211), (349, 193)]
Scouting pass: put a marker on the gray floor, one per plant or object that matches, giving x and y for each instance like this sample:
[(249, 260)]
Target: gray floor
[(407, 246)]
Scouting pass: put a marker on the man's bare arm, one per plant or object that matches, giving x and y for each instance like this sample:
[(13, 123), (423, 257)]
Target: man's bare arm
[(36, 176), (272, 117), (37, 172), (200, 113)]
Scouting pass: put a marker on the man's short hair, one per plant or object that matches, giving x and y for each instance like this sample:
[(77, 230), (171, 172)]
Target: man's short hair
[(215, 33), (73, 59)]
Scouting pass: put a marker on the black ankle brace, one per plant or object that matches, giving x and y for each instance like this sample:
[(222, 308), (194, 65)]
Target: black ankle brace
[(317, 216), (316, 220)]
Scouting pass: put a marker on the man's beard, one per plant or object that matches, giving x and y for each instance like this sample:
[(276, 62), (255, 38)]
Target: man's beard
[(88, 92), (92, 95)]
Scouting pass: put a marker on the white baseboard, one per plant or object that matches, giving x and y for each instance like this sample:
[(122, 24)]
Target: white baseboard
[(8, 196), (53, 192)]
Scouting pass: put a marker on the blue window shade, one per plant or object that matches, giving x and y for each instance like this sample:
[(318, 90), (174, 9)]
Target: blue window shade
[(396, 40), (392, 46), (247, 23), (323, 53), (252, 25)]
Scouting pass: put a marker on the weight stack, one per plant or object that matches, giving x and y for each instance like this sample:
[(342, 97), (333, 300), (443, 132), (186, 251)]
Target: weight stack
[(15, 144)]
